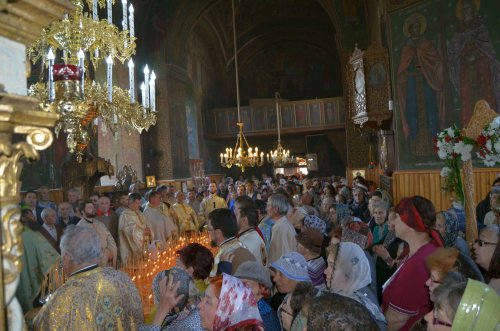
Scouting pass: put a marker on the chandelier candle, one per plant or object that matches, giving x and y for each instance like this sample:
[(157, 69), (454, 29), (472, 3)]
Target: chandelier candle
[(131, 21), (110, 11), (84, 41), (124, 21), (65, 52), (81, 64), (152, 91), (143, 93), (146, 86), (109, 71), (131, 80), (94, 10), (52, 92)]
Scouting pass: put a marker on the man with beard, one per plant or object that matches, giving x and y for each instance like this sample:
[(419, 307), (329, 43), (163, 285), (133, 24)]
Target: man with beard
[(134, 231), (159, 216), (107, 216), (108, 245), (222, 228), (213, 201), (188, 220)]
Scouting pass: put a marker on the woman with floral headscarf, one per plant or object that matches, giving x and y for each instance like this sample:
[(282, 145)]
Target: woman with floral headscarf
[(229, 305), (348, 274), (447, 226), (358, 232), (405, 298)]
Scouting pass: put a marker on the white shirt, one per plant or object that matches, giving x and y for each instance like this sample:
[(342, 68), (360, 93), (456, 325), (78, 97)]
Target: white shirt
[(51, 230)]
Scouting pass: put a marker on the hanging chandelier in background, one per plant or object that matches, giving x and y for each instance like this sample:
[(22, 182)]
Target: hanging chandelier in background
[(69, 48), (280, 156), (243, 156)]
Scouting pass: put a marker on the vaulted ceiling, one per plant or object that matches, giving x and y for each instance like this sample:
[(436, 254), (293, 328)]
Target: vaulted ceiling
[(291, 46)]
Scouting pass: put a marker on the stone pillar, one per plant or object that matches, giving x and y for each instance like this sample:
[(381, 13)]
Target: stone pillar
[(16, 117), (169, 151)]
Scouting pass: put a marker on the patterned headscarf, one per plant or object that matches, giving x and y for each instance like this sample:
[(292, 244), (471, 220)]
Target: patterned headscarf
[(411, 217), (313, 221), (332, 311), (362, 229), (343, 211), (187, 287), (352, 262), (237, 306), (451, 228)]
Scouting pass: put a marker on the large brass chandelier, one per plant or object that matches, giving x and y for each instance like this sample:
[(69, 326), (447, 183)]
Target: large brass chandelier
[(69, 48), (243, 156), (280, 156)]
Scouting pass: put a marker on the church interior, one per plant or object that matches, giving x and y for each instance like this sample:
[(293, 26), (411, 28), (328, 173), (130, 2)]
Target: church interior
[(345, 87), (302, 51)]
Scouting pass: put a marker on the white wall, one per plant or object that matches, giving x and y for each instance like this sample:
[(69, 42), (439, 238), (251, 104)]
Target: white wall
[(13, 66)]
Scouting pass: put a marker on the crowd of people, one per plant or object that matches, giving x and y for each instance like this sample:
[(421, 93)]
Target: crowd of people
[(294, 253)]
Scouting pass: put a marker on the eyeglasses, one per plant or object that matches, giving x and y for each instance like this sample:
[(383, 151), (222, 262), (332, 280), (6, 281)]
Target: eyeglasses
[(482, 242), (435, 281), (437, 321)]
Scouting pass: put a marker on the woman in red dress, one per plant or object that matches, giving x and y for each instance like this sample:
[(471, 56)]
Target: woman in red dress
[(405, 297)]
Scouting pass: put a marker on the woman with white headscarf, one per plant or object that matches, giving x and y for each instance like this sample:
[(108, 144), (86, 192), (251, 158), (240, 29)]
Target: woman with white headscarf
[(348, 274)]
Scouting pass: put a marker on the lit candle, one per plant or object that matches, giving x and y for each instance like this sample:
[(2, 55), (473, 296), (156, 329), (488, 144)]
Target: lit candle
[(109, 62), (143, 92), (131, 80), (124, 21), (94, 10), (131, 20), (110, 11), (51, 58), (146, 86), (152, 96), (81, 57), (65, 52)]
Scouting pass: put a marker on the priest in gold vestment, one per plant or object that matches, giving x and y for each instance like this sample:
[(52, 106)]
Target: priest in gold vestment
[(134, 231), (188, 220), (93, 298)]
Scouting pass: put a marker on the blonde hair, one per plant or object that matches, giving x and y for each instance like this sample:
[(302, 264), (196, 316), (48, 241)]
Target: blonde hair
[(442, 260)]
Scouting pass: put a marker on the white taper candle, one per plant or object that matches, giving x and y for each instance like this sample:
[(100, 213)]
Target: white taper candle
[(152, 96), (81, 64), (125, 18), (131, 20), (131, 80), (110, 11), (143, 92), (95, 14), (109, 72), (146, 86), (51, 57)]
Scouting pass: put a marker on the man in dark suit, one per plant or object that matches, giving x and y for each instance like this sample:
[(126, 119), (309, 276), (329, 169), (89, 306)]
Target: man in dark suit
[(50, 229), (30, 202)]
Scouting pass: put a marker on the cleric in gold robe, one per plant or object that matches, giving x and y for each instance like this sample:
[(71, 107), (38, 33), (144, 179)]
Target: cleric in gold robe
[(210, 203), (93, 298), (134, 230), (188, 220)]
